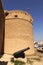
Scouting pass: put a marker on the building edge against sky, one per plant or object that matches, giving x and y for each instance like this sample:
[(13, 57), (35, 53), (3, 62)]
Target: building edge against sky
[(18, 29), (18, 32), (2, 27)]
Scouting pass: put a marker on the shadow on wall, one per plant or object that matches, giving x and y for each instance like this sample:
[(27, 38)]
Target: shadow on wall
[(3, 63), (2, 28)]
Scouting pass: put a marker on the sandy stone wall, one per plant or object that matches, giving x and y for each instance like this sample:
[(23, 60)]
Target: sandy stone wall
[(18, 32)]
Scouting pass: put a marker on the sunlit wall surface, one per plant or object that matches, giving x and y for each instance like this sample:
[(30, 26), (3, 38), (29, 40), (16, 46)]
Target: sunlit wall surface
[(18, 32)]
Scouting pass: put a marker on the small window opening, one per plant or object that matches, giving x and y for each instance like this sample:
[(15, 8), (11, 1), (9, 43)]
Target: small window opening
[(16, 15), (6, 13)]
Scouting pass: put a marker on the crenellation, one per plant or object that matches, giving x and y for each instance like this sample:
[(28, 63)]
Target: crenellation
[(23, 15)]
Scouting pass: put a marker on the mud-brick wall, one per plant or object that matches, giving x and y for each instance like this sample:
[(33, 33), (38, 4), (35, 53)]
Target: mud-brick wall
[(18, 32)]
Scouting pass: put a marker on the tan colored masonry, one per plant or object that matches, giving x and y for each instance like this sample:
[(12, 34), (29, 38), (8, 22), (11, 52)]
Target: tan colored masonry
[(18, 32)]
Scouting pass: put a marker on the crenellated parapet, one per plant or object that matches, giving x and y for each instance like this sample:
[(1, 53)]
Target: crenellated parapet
[(18, 14)]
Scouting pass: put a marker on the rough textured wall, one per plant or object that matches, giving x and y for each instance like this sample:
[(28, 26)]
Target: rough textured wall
[(18, 32), (1, 26)]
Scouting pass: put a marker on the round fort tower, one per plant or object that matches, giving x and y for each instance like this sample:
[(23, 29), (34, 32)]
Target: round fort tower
[(18, 32)]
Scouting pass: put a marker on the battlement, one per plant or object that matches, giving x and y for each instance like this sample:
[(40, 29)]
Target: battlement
[(18, 14)]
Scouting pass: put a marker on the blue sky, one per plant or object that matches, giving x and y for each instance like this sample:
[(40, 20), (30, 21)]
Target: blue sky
[(36, 10)]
